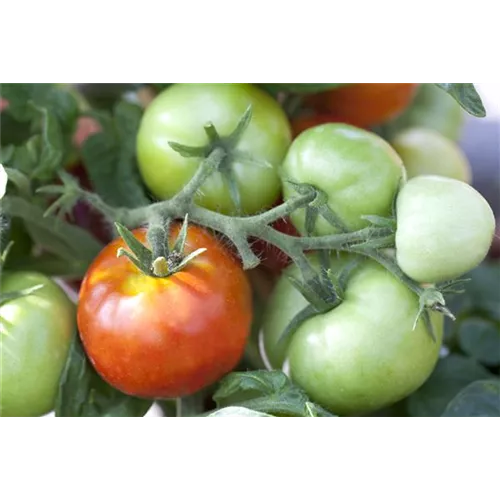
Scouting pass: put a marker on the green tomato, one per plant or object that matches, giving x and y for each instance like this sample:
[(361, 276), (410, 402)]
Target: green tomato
[(427, 152), (358, 171), (180, 113), (445, 228), (36, 333), (362, 355), (432, 108)]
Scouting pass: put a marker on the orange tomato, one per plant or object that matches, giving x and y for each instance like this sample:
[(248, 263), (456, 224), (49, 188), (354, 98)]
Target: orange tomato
[(364, 104), (302, 123), (165, 337)]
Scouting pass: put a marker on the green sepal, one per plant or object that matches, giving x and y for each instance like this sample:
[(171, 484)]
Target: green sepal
[(143, 255)]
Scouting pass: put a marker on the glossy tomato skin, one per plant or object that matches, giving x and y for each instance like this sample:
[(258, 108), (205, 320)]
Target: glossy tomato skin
[(362, 355), (427, 152), (365, 104), (180, 113), (358, 170), (445, 228), (165, 337), (36, 334)]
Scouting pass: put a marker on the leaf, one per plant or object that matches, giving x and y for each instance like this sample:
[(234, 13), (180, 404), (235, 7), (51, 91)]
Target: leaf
[(466, 95), (51, 233), (237, 411), (265, 391), (83, 393), (109, 157), (451, 375), (300, 88), (479, 399), (480, 339)]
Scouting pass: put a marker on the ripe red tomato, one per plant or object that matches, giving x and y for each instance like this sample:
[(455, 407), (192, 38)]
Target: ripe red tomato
[(364, 104), (304, 122), (273, 258), (165, 337)]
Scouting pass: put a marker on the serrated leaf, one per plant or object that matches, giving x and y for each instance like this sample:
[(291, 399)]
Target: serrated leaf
[(83, 393), (51, 233), (480, 339), (300, 88), (466, 95), (265, 391), (450, 376), (109, 158), (479, 399)]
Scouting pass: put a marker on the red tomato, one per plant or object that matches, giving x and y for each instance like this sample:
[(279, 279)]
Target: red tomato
[(273, 258), (304, 122), (165, 337), (365, 104)]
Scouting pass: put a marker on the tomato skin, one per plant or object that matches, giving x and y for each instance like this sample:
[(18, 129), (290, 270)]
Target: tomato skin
[(165, 337), (427, 152), (365, 104), (358, 170), (179, 114), (362, 355), (445, 228), (36, 335)]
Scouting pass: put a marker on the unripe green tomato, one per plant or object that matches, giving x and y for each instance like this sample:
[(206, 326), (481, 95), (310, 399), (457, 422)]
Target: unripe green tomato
[(358, 171), (362, 355), (427, 152), (445, 228), (179, 114), (432, 108), (36, 332)]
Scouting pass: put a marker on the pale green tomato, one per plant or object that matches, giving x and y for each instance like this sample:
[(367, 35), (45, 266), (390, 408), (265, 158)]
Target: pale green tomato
[(362, 355), (36, 333), (427, 152), (180, 113), (445, 228), (358, 171)]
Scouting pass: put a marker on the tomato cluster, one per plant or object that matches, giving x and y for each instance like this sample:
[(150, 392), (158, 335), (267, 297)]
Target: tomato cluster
[(166, 318)]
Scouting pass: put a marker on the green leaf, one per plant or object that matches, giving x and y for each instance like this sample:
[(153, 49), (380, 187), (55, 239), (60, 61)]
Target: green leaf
[(480, 339), (237, 411), (265, 391), (83, 393), (466, 95), (479, 399), (451, 375), (51, 233), (300, 88), (109, 157), (19, 180)]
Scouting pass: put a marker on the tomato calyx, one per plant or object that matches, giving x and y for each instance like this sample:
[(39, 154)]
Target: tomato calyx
[(228, 144), (324, 292), (162, 261)]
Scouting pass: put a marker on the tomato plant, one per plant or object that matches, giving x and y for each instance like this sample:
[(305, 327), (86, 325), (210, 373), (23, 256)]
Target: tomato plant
[(36, 331), (427, 152), (357, 170), (360, 356), (365, 104), (445, 228), (202, 315), (180, 113), (191, 327)]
